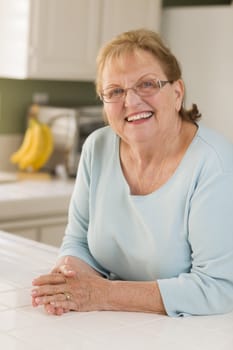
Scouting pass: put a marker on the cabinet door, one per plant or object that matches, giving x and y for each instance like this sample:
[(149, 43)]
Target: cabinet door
[(14, 27), (120, 15), (64, 39), (29, 233), (53, 234)]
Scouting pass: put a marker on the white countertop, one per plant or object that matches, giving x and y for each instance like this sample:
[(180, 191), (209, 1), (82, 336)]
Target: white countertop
[(25, 328), (25, 198)]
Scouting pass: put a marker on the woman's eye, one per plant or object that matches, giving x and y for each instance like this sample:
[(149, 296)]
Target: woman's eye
[(110, 93), (148, 84), (117, 92)]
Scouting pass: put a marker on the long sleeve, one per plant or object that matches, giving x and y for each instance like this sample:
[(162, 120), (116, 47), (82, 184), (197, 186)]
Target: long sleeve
[(75, 241), (208, 287)]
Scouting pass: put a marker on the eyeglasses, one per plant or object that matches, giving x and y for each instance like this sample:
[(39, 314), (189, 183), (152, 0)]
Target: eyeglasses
[(145, 87)]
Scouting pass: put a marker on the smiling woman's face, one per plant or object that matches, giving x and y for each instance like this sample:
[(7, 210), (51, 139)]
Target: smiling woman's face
[(135, 118)]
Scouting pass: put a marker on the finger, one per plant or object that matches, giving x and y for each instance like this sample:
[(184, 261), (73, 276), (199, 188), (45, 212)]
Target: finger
[(49, 299), (65, 305), (49, 290), (55, 269), (67, 270), (50, 309), (59, 311), (34, 304), (52, 278)]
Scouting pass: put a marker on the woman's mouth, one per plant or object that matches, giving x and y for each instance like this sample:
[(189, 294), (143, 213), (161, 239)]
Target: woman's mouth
[(140, 116)]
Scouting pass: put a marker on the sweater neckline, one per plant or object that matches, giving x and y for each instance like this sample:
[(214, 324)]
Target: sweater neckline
[(169, 181)]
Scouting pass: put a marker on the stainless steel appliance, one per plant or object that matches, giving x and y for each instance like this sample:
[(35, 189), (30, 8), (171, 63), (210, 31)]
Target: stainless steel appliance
[(89, 119), (70, 128)]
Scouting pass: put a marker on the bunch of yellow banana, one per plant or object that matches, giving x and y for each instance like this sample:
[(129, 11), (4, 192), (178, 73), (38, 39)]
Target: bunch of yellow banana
[(36, 147)]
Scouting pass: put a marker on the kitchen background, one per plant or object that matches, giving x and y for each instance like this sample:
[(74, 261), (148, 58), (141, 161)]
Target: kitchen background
[(48, 50)]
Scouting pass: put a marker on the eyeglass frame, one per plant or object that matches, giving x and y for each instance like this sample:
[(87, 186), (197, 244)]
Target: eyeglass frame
[(160, 84)]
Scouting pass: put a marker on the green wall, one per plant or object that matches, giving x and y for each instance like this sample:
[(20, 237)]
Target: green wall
[(16, 96)]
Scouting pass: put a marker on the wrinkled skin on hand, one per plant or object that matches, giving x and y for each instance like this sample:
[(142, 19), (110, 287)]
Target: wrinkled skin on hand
[(72, 285)]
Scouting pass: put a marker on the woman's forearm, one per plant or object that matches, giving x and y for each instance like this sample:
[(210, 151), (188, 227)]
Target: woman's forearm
[(134, 296), (89, 291)]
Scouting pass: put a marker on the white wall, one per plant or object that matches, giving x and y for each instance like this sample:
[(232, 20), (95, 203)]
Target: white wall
[(202, 40)]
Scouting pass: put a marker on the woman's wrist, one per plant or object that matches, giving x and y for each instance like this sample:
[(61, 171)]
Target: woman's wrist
[(132, 296)]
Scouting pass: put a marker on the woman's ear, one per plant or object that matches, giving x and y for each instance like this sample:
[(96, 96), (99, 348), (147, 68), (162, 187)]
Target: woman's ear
[(179, 93)]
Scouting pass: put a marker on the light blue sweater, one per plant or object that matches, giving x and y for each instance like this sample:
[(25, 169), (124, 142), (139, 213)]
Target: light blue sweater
[(180, 235)]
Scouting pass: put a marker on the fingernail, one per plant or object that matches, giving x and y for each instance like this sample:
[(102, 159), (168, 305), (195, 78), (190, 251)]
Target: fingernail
[(34, 292)]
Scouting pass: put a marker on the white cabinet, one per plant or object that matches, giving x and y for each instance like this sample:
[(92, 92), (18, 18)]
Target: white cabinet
[(14, 30), (48, 230), (122, 15), (36, 209), (64, 38), (51, 39)]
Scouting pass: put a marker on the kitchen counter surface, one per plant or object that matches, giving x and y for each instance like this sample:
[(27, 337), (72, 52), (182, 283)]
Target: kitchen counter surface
[(25, 198), (25, 328)]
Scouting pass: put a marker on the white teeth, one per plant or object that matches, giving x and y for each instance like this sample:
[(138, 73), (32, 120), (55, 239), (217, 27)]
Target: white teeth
[(139, 116)]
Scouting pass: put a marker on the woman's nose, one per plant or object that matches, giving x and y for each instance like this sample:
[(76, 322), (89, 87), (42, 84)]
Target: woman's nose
[(132, 98)]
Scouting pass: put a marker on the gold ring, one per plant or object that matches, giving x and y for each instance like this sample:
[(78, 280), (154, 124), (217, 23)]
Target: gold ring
[(67, 295)]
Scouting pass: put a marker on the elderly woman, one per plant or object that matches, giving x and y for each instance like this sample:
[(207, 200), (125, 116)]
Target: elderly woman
[(151, 216)]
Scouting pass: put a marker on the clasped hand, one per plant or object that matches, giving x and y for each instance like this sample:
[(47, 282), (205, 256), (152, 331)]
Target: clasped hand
[(71, 285)]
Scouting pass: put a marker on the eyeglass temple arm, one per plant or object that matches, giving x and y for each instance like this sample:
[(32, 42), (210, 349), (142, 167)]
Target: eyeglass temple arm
[(164, 82)]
